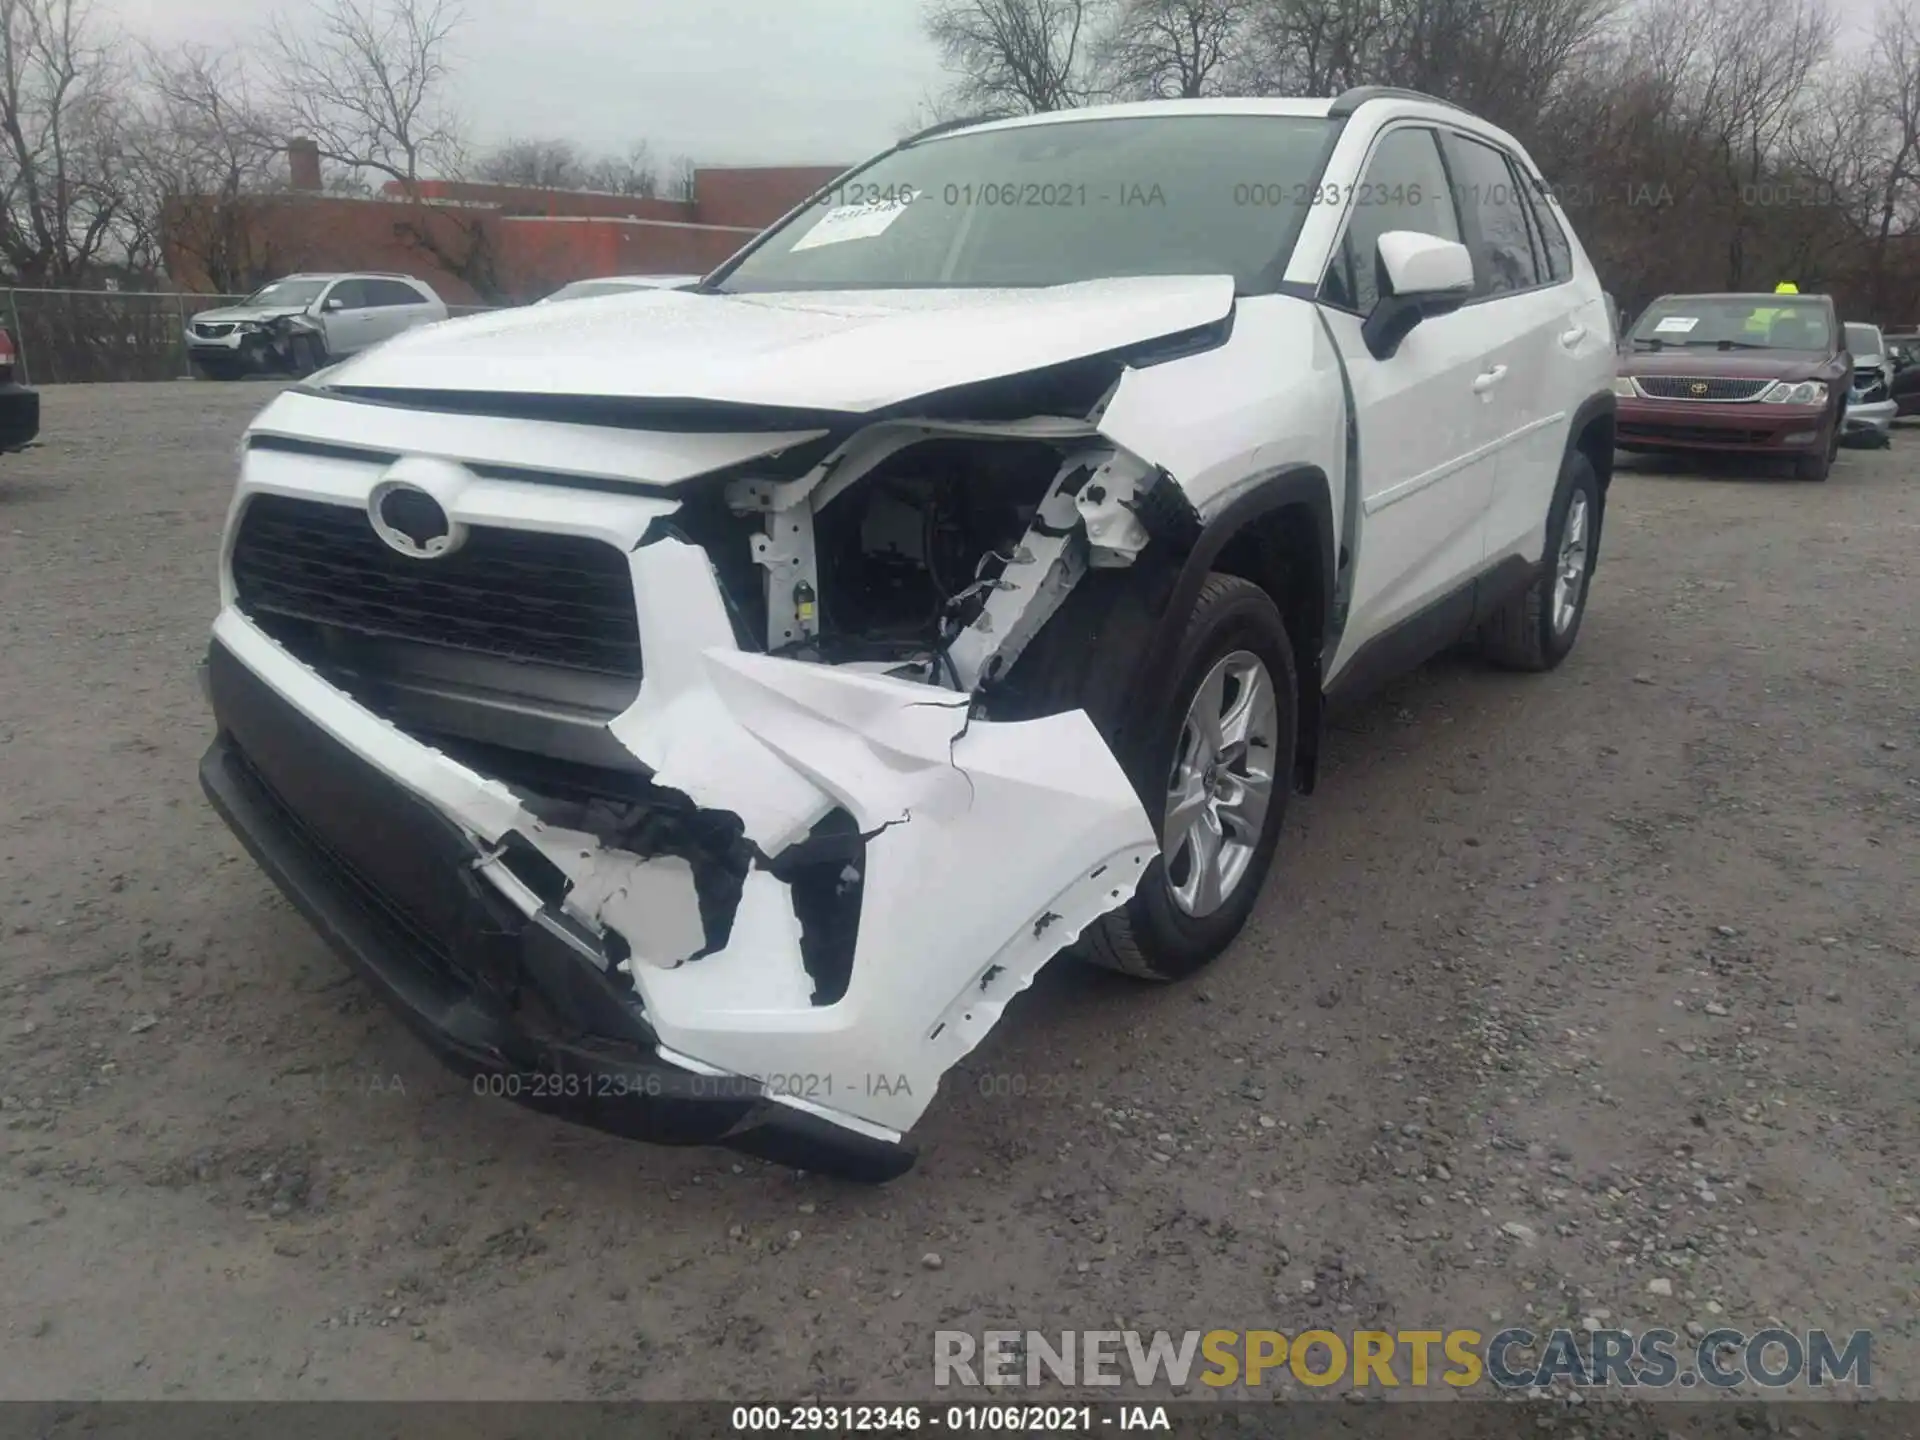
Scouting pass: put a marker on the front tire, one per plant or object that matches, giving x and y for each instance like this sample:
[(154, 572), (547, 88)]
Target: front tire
[(1535, 630), (1221, 756), (1816, 466)]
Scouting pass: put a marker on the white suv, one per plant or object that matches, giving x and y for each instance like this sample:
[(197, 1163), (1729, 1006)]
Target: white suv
[(304, 322), (702, 712)]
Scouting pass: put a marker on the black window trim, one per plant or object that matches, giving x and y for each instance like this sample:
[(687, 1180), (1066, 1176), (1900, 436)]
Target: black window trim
[(1540, 202), (1403, 122), (1453, 136)]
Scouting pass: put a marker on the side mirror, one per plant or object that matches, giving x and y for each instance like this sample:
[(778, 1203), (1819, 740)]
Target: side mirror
[(1421, 276), (334, 302)]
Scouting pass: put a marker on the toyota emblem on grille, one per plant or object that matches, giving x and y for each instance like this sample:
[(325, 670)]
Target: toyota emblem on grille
[(1699, 387), (411, 521)]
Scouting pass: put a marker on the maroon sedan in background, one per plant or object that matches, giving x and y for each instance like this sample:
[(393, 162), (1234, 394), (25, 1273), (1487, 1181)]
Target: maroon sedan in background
[(1746, 374)]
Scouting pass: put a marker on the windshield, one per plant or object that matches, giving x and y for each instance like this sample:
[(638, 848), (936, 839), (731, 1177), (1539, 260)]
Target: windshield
[(1735, 322), (293, 294), (1864, 340), (1051, 204)]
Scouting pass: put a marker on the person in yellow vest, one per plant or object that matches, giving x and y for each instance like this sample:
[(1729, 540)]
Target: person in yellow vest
[(1760, 322)]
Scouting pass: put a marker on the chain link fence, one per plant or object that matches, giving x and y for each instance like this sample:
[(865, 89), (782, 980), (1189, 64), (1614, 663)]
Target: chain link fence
[(84, 336)]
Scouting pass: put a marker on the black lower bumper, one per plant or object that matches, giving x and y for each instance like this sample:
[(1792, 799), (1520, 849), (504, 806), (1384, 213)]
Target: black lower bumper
[(531, 1008)]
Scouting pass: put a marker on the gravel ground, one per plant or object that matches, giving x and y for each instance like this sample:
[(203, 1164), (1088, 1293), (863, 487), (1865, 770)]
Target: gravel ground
[(1565, 986)]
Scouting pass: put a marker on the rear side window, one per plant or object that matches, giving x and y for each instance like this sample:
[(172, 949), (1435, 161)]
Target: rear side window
[(1553, 235), (1404, 187), (393, 292), (1504, 260)]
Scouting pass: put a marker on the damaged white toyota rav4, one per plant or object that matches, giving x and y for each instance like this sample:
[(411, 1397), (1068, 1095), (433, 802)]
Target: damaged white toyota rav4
[(701, 712)]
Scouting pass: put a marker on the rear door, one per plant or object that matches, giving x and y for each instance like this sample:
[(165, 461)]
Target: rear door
[(398, 306), (1545, 337), (1424, 486)]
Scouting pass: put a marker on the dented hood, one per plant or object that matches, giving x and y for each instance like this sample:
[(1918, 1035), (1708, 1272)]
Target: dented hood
[(848, 351)]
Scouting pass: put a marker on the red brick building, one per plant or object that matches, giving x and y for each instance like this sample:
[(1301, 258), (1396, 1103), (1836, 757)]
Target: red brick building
[(478, 243)]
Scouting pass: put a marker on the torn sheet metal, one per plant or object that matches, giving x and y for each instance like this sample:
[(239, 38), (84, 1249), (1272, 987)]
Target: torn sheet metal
[(1000, 826)]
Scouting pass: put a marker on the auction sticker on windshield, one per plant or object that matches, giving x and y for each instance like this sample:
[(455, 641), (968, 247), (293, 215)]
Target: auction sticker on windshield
[(854, 222), (1670, 325)]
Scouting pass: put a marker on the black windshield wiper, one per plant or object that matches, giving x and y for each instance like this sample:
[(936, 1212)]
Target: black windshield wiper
[(1652, 342)]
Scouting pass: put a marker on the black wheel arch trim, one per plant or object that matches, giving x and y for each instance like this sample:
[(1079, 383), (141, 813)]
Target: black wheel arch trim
[(1600, 405), (1274, 490)]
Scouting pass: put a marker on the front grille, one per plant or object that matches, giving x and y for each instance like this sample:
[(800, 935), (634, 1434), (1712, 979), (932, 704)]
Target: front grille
[(213, 332), (1699, 387), (522, 595)]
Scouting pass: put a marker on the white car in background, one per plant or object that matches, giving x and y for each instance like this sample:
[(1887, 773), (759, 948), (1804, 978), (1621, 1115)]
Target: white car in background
[(1871, 407), (619, 285), (304, 323)]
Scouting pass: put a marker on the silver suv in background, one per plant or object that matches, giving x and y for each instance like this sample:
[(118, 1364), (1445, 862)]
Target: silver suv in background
[(305, 322), (1871, 407)]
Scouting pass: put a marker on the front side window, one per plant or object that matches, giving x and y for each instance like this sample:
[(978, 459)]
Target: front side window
[(1058, 202), (1484, 185), (351, 295), (288, 294), (1404, 187)]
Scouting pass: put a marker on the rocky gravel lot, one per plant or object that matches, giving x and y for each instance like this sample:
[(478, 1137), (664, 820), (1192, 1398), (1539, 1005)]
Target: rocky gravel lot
[(1583, 999)]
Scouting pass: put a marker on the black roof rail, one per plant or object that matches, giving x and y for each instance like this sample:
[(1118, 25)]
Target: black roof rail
[(1351, 100), (945, 125)]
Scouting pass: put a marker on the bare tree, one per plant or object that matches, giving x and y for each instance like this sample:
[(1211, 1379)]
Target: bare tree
[(201, 149), (1016, 55), (366, 80), (64, 192), (682, 179), (1171, 49), (543, 164), (1895, 105), (635, 173)]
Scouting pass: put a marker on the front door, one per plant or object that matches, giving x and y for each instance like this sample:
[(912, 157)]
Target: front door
[(349, 318), (1426, 475)]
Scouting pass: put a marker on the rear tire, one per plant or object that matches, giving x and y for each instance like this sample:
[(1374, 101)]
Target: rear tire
[(1235, 649), (1535, 630)]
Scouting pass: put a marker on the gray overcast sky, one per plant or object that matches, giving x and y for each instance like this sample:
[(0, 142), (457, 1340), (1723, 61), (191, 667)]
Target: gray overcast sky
[(724, 81)]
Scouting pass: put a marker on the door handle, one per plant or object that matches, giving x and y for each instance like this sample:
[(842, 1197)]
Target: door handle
[(1483, 383), (1573, 337)]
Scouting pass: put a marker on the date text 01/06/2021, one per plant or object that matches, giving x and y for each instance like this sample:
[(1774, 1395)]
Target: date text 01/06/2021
[(982, 1418), (995, 194), (562, 1085)]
